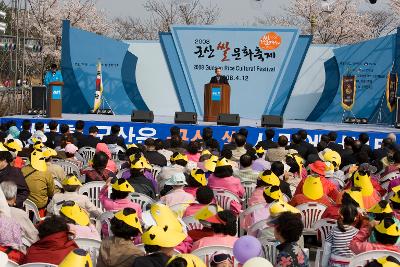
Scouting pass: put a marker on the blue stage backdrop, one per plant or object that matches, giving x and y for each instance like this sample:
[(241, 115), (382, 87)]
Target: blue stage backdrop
[(138, 132)]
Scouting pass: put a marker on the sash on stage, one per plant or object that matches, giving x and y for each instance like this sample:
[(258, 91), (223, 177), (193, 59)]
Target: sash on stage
[(348, 92), (391, 90)]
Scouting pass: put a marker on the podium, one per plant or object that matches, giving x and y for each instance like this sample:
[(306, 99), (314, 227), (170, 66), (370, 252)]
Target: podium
[(54, 99), (217, 99)]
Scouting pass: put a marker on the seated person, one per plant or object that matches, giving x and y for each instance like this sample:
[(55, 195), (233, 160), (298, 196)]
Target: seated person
[(178, 164), (71, 185), (182, 260), (159, 244), (265, 178), (224, 226), (195, 179), (137, 179), (221, 260), (271, 194), (260, 164), (78, 221), (98, 171), (70, 152), (54, 243), (193, 151), (152, 155), (119, 250), (383, 261), (395, 203), (11, 239), (278, 168), (288, 230), (119, 197), (204, 197), (39, 181), (362, 180), (351, 196), (340, 236), (29, 232), (111, 166), (312, 191), (245, 173), (386, 234), (177, 195), (318, 168)]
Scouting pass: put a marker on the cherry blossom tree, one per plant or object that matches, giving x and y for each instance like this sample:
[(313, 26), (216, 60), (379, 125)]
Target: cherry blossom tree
[(334, 21)]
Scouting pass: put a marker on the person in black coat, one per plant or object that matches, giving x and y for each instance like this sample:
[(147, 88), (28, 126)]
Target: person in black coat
[(53, 136), (218, 78), (25, 134), (364, 139), (154, 157), (268, 143), (113, 138), (78, 134), (332, 143), (90, 140), (278, 169), (9, 173), (295, 142), (310, 148)]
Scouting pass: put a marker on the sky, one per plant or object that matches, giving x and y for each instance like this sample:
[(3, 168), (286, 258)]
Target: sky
[(233, 11)]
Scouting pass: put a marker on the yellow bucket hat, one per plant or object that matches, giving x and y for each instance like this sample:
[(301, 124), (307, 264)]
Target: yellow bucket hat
[(162, 236), (381, 207), (363, 180), (38, 145), (71, 180), (77, 258), (179, 156), (207, 212), (211, 163), (129, 216), (396, 197), (222, 162), (38, 161), (312, 187), (161, 215), (269, 178), (191, 260), (141, 163), (122, 185), (273, 192), (280, 206), (13, 145), (199, 177), (48, 152), (260, 150), (333, 157), (205, 152), (388, 261), (72, 211), (388, 227), (356, 195), (2, 147)]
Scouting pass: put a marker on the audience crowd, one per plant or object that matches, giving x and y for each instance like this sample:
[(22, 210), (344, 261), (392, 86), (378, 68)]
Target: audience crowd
[(163, 202)]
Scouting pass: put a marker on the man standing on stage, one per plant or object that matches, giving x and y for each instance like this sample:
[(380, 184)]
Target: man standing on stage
[(53, 75), (218, 78)]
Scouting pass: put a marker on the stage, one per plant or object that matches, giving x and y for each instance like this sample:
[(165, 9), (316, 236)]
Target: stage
[(138, 132)]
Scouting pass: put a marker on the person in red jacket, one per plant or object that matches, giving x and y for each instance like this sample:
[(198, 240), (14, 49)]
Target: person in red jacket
[(312, 191), (318, 167), (54, 243)]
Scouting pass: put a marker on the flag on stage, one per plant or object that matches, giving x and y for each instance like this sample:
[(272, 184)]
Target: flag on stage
[(348, 92), (391, 90), (99, 88)]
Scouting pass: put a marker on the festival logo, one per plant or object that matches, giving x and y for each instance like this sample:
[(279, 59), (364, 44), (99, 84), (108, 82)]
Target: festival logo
[(270, 41)]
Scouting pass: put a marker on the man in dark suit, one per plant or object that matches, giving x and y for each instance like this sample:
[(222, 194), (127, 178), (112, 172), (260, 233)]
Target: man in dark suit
[(218, 78), (268, 143), (78, 134), (295, 144), (90, 140), (332, 143), (113, 138), (53, 135)]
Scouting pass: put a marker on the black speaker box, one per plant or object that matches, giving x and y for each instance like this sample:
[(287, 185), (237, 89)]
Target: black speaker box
[(142, 116), (228, 119), (272, 121), (39, 97), (186, 117)]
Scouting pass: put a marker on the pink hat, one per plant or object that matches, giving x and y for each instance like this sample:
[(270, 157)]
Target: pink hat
[(318, 167), (71, 149)]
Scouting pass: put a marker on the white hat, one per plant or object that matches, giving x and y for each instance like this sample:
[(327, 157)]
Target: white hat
[(177, 179)]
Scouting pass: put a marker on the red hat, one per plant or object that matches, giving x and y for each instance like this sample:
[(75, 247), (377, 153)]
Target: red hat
[(318, 167)]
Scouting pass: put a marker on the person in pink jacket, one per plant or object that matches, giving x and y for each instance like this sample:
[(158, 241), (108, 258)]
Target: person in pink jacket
[(386, 233), (111, 166), (204, 197), (222, 179), (119, 198), (224, 226)]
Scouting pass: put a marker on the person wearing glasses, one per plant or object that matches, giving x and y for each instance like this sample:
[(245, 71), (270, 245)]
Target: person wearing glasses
[(221, 260)]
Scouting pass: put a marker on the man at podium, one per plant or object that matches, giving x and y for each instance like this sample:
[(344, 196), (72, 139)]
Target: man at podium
[(53, 75), (218, 78)]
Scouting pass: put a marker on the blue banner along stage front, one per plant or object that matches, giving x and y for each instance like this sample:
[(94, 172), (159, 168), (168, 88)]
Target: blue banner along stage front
[(138, 132)]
